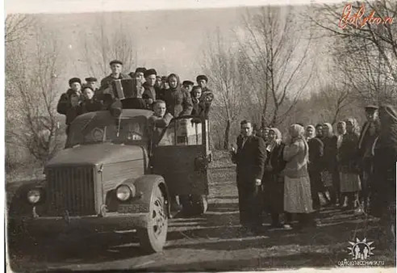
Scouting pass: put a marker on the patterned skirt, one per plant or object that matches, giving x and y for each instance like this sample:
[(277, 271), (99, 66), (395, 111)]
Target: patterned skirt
[(297, 195), (349, 182)]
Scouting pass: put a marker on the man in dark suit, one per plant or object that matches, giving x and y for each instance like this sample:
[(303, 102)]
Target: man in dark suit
[(369, 133), (250, 159)]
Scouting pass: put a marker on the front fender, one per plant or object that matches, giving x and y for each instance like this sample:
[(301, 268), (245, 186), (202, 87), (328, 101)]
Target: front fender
[(17, 202), (144, 186)]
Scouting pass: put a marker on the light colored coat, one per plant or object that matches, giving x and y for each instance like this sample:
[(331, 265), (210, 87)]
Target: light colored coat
[(296, 156)]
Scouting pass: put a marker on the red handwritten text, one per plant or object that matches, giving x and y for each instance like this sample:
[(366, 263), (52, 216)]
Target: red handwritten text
[(358, 20)]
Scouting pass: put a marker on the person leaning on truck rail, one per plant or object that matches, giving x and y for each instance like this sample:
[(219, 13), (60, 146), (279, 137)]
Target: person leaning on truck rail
[(158, 121)]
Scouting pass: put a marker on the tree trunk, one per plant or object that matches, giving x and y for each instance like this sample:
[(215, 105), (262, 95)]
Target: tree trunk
[(274, 121), (227, 135)]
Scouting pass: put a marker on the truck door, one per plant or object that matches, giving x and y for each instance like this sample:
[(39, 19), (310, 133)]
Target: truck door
[(182, 156)]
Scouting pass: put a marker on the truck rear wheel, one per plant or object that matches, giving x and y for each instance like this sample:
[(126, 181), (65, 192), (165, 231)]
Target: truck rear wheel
[(153, 237)]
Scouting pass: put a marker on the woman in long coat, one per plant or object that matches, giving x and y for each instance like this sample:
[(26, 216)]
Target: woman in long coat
[(383, 182), (350, 183), (297, 192), (273, 181)]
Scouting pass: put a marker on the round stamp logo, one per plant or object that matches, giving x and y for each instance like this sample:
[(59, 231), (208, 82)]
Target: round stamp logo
[(361, 250)]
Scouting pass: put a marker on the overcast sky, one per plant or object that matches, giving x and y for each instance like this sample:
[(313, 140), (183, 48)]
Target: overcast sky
[(168, 40)]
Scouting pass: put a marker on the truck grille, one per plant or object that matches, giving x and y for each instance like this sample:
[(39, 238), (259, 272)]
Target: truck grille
[(70, 189)]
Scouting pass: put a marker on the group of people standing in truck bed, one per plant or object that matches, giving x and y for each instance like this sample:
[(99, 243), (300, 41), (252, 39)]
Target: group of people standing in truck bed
[(155, 93)]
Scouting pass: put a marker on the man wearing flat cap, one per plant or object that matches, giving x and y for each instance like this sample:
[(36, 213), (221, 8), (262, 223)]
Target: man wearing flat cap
[(164, 83), (92, 83), (116, 66), (158, 82), (151, 93), (188, 86), (64, 103), (207, 96), (368, 135), (140, 74)]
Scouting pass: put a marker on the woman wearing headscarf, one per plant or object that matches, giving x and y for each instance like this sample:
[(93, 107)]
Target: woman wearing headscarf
[(350, 183), (297, 193), (273, 181), (383, 182), (316, 150), (329, 171), (341, 131), (177, 99)]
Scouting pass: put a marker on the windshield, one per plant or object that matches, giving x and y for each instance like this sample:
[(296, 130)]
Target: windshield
[(94, 130)]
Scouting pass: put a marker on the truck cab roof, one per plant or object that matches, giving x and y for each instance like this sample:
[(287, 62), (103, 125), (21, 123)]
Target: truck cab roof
[(101, 126)]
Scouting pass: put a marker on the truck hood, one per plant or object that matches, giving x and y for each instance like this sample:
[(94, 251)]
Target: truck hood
[(95, 154)]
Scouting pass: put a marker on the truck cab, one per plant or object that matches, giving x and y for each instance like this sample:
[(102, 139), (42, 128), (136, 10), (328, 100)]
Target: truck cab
[(104, 179)]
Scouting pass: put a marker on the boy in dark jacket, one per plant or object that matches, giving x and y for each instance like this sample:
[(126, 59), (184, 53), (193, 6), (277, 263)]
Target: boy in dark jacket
[(64, 102), (149, 95), (207, 95), (90, 104), (74, 110), (198, 104)]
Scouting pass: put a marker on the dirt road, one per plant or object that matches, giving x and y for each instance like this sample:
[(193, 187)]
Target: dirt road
[(213, 242)]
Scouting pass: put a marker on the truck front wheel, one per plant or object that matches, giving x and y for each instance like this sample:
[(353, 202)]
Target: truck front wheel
[(153, 237)]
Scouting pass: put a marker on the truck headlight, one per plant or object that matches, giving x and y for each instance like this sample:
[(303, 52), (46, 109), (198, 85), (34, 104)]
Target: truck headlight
[(125, 192), (34, 196)]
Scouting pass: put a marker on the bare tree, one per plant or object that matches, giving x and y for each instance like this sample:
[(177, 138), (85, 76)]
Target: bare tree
[(335, 98), (17, 26), (31, 77), (278, 52), (105, 42), (223, 65), (365, 51)]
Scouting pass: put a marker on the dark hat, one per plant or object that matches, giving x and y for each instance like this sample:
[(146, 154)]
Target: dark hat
[(371, 107), (89, 87), (149, 72), (201, 77), (91, 79), (188, 83), (72, 80), (140, 70), (116, 62)]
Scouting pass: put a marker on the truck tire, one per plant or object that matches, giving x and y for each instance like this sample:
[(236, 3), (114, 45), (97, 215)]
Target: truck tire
[(152, 238)]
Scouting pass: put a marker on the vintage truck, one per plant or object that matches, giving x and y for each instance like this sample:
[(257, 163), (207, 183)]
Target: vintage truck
[(110, 177)]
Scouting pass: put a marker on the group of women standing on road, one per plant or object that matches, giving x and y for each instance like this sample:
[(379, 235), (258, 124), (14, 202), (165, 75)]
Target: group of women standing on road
[(352, 170)]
